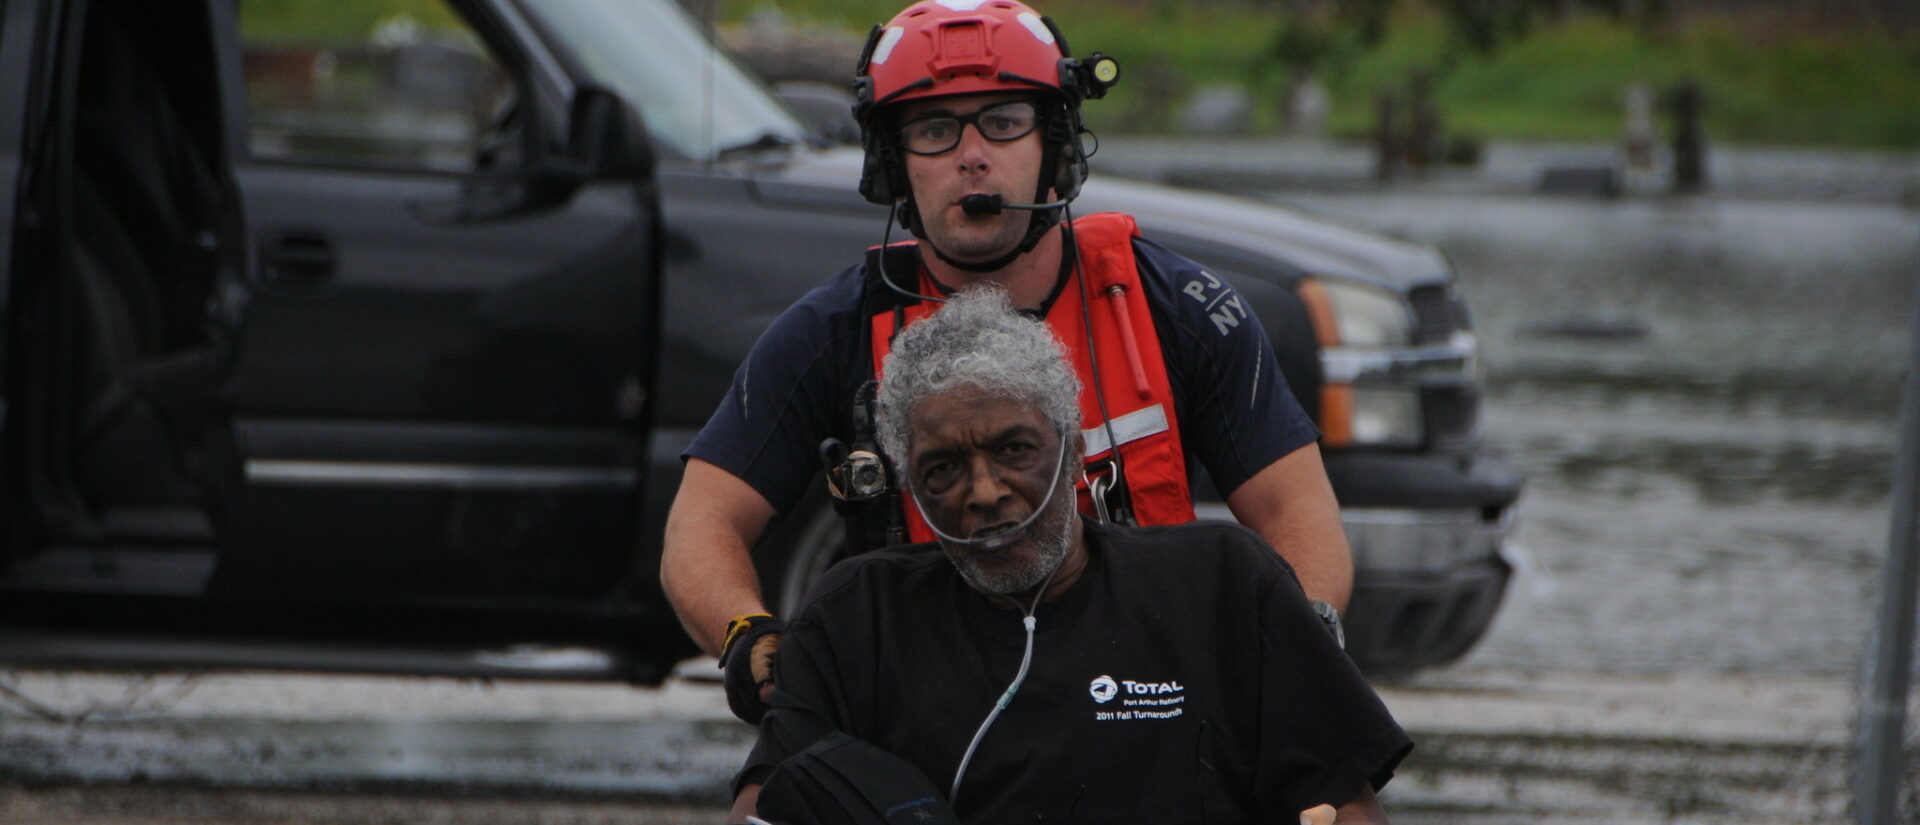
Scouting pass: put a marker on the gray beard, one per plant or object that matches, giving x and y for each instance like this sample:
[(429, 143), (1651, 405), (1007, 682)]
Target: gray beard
[(1050, 536)]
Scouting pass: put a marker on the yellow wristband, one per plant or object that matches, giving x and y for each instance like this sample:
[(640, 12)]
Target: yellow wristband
[(740, 624)]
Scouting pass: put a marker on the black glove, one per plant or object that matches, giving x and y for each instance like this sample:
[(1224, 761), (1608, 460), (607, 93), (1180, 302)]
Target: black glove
[(747, 656)]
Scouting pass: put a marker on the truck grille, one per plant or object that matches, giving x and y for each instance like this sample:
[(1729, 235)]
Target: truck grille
[(1451, 412), (1436, 314), (1452, 418)]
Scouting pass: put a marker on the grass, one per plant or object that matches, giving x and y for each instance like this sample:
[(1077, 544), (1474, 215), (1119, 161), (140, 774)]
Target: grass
[(1857, 88), (335, 21)]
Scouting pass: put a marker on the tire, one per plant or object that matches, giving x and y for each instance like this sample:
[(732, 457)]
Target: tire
[(811, 544)]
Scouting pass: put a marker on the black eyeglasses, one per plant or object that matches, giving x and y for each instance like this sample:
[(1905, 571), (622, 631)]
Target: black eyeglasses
[(938, 133)]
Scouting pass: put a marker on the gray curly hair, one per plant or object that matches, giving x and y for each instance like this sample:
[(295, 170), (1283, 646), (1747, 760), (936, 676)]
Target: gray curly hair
[(977, 340)]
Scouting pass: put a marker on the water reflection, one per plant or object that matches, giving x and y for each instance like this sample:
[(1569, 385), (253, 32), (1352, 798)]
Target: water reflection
[(1703, 394), (1722, 474), (1843, 392)]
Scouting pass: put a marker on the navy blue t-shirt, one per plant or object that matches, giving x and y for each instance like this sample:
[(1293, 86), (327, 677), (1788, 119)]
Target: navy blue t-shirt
[(796, 387)]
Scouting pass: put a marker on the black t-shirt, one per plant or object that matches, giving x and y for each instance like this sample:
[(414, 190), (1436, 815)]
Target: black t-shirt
[(797, 386), (1183, 678)]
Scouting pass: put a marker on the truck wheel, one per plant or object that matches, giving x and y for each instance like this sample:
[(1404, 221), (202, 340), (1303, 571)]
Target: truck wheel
[(819, 541)]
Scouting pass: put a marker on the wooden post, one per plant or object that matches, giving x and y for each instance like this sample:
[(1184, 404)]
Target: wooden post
[(1387, 145), (1689, 140), (1423, 121)]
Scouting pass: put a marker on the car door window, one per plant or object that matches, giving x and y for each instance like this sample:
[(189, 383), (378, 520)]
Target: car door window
[(381, 83)]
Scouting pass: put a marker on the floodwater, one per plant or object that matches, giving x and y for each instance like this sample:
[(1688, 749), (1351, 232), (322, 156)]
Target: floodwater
[(1703, 394)]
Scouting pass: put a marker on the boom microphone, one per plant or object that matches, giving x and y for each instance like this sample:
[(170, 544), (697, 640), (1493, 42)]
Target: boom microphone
[(994, 204)]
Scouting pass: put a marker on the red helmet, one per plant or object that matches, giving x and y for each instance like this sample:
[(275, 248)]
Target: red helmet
[(957, 47), (937, 48)]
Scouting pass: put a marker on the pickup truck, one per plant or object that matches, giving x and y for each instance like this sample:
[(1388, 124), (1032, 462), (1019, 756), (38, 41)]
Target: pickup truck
[(368, 340)]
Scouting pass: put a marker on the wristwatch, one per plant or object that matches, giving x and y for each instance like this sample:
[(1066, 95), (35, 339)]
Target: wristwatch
[(1331, 617)]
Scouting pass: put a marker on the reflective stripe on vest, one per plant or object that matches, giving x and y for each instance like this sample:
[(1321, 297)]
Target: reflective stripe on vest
[(1128, 428), (1133, 373)]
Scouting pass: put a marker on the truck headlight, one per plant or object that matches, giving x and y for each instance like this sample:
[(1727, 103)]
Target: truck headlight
[(1368, 317), (1386, 417), (1363, 331)]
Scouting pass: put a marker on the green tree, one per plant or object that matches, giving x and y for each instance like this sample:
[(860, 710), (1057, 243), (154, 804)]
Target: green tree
[(1482, 25), (335, 20)]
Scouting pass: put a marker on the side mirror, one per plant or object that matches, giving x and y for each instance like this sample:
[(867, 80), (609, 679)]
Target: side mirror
[(606, 140)]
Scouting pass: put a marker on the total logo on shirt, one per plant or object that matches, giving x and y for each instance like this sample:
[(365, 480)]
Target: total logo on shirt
[(1139, 699)]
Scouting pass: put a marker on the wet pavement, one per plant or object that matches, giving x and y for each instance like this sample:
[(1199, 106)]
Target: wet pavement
[(150, 805), (1496, 746), (374, 734)]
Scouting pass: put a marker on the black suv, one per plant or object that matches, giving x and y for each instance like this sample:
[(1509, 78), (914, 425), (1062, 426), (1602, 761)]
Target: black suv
[(371, 345)]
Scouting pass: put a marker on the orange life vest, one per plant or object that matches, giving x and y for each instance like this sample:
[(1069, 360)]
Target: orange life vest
[(1133, 374)]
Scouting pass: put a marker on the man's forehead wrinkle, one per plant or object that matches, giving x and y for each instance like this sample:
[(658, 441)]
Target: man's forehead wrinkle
[(1019, 429), (967, 434), (974, 432), (988, 439)]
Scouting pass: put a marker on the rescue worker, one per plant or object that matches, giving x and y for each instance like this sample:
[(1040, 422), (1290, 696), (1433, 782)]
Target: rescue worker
[(970, 115)]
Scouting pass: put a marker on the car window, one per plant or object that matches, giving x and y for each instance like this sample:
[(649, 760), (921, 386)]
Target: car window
[(388, 83), (696, 101)]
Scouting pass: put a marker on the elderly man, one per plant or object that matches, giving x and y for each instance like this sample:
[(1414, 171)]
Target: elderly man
[(1040, 666)]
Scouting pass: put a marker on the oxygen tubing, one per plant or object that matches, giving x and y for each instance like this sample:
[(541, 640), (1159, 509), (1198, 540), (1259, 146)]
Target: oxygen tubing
[(1026, 660)]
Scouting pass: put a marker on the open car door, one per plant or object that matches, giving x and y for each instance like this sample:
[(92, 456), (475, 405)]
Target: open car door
[(443, 342), (329, 323)]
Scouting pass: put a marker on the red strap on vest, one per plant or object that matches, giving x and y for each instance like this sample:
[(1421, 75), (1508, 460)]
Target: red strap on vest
[(1132, 373), (1116, 296)]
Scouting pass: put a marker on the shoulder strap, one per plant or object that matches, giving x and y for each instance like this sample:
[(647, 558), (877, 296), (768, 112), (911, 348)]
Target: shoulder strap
[(901, 266), (1105, 235)]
